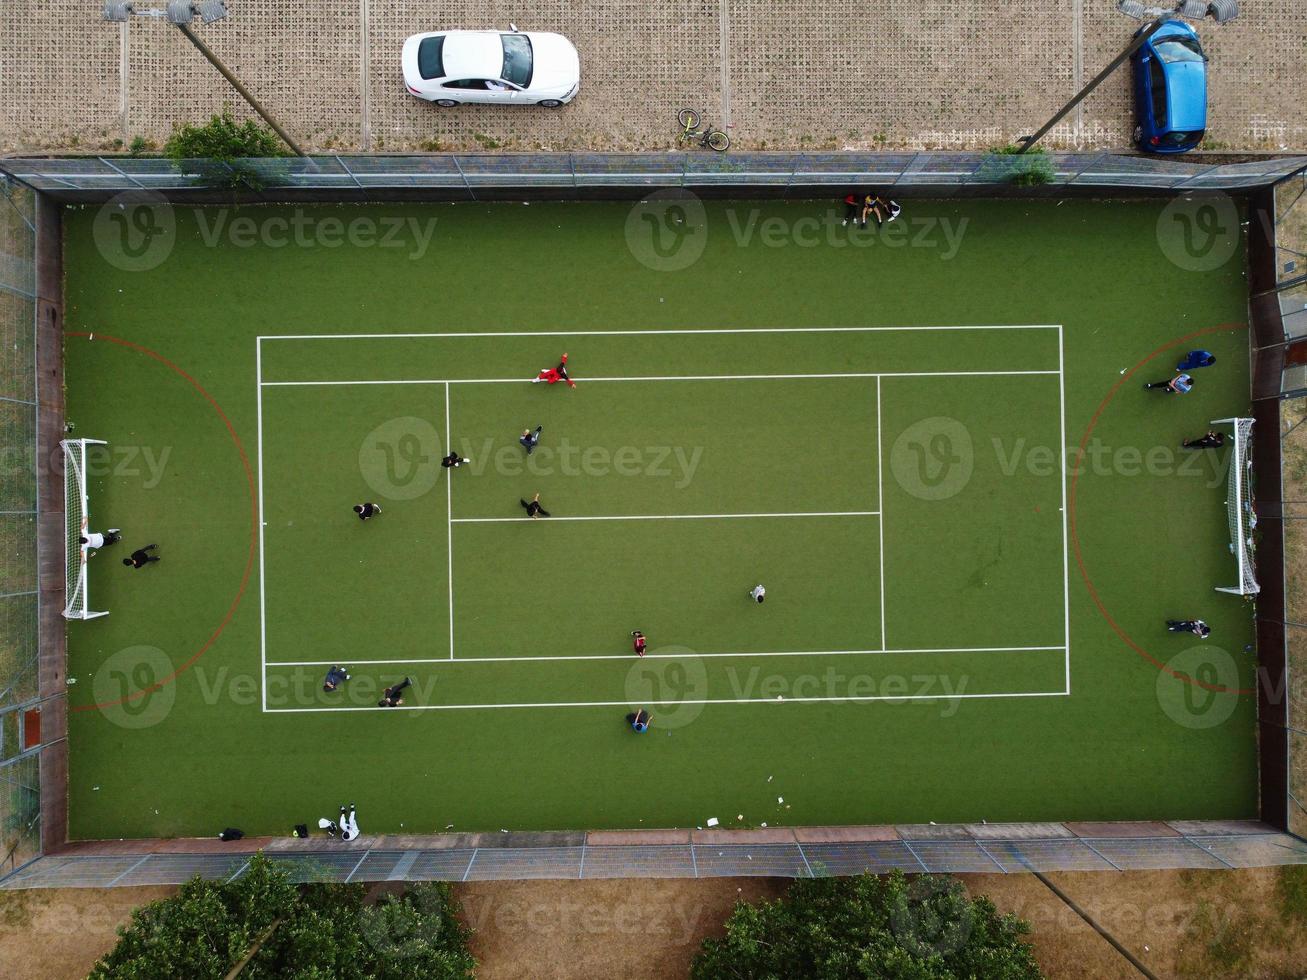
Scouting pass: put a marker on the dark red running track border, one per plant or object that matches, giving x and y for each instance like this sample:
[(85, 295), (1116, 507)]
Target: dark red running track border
[(1071, 507), (254, 514)]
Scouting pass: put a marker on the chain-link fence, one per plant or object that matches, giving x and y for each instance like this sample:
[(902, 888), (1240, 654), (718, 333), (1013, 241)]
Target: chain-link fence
[(19, 777), (469, 176), (956, 853)]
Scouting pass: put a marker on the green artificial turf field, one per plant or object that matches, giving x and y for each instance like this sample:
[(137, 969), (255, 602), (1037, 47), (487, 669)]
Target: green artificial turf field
[(958, 626)]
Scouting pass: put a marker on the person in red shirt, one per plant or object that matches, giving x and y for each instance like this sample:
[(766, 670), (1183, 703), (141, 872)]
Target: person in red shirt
[(851, 209), (555, 375), (638, 641)]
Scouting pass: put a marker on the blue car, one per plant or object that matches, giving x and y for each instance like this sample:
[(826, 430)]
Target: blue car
[(1170, 90)]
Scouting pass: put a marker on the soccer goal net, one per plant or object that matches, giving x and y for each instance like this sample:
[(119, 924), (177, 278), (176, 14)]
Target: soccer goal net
[(76, 524), (1239, 504)]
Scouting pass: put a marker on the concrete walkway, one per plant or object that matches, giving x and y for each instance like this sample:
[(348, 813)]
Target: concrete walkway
[(812, 74)]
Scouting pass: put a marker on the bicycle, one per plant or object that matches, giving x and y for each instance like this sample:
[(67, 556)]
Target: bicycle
[(713, 138)]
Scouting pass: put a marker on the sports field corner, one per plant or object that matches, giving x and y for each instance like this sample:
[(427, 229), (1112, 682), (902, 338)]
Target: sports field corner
[(929, 441)]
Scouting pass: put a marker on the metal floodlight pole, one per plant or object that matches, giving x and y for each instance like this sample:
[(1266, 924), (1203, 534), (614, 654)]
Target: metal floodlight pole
[(1028, 141), (244, 92)]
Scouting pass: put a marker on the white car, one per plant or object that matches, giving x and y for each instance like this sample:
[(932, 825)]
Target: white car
[(497, 67)]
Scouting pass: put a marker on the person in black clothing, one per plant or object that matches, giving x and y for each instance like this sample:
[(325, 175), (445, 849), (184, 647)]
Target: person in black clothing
[(393, 697), (1213, 440), (366, 511), (528, 439), (453, 459), (335, 677), (1195, 626), (533, 509), (141, 557)]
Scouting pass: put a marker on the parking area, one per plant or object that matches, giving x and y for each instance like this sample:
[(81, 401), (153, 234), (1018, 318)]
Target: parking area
[(814, 74)]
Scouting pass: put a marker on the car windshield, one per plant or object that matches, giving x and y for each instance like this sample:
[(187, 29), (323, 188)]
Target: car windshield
[(1181, 138), (1175, 49), (517, 59), (430, 62)]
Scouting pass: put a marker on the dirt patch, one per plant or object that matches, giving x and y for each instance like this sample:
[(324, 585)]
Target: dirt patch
[(59, 934), (1186, 924), (602, 929), (1178, 923)]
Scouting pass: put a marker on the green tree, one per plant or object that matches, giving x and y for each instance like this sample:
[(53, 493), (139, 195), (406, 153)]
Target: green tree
[(1009, 165), (279, 929), (219, 148), (924, 928)]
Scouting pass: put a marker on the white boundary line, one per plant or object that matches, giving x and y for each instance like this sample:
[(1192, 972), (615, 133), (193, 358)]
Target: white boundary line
[(880, 506), (449, 522), (261, 384), (680, 377), (263, 614), (663, 517), (671, 656), (682, 331), (1066, 574), (627, 704)]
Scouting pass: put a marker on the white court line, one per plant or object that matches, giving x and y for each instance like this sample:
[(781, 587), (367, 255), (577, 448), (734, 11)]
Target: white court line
[(669, 656), (627, 704), (663, 517), (263, 617), (678, 377), (1066, 574), (680, 331), (880, 505), (449, 523)]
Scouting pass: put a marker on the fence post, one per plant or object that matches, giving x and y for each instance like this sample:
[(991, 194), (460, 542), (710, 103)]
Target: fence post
[(1185, 180), (345, 167), (1092, 163), (120, 171), (466, 183)]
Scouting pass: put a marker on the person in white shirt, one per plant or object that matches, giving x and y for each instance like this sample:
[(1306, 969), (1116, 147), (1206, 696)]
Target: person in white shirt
[(93, 540), (349, 825), (495, 86), (758, 593)]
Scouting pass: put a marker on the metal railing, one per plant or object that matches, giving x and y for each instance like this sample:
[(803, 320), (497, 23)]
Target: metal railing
[(936, 172), (20, 796), (951, 854)]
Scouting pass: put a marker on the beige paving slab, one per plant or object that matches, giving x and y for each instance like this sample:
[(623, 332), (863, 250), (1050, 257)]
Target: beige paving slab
[(1121, 828), (1018, 831), (808, 75), (771, 835), (601, 838), (926, 831), (839, 835)]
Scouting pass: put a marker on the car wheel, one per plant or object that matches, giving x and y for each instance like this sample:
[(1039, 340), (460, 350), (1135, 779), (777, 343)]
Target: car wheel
[(1139, 133), (549, 103), (446, 103)]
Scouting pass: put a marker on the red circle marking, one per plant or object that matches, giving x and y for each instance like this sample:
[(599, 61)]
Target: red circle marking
[(1071, 509), (254, 516)]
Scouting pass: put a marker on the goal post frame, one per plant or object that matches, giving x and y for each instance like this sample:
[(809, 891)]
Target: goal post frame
[(76, 602), (1239, 504)]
